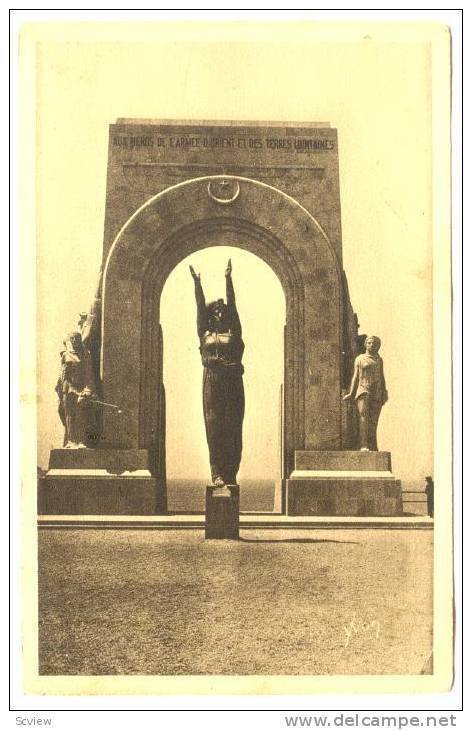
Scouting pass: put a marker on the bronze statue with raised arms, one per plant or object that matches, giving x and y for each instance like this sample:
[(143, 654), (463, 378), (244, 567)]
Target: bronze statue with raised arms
[(221, 349)]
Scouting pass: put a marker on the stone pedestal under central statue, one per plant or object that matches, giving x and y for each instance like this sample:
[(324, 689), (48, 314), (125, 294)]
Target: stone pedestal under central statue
[(222, 512), (343, 483)]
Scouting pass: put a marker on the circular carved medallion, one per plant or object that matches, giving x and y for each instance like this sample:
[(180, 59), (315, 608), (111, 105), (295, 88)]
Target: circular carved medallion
[(223, 191)]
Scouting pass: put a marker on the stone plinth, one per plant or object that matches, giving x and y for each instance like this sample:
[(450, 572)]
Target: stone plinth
[(113, 461), (99, 481), (343, 483), (343, 460), (222, 512)]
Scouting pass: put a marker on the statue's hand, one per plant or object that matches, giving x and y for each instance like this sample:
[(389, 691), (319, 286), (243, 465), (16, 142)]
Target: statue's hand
[(85, 395), (229, 268), (196, 277), (348, 396)]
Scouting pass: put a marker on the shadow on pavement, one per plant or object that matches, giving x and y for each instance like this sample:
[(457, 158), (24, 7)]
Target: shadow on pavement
[(299, 539)]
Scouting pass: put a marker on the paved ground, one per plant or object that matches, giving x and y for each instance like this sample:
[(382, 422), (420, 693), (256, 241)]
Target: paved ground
[(276, 602)]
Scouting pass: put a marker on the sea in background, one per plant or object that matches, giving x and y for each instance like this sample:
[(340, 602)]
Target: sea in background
[(188, 495), (257, 495)]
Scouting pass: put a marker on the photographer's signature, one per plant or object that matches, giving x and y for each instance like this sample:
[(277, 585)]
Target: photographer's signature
[(357, 627)]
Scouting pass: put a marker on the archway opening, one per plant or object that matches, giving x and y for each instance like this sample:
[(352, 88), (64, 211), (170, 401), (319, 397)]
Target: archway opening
[(262, 309)]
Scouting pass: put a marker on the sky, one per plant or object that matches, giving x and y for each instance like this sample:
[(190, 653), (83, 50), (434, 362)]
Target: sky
[(373, 86)]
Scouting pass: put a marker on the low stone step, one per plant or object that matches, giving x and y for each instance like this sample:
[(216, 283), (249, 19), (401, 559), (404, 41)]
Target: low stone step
[(246, 521)]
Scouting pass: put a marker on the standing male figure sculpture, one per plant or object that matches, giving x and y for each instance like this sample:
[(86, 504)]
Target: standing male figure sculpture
[(75, 388), (221, 348), (369, 392)]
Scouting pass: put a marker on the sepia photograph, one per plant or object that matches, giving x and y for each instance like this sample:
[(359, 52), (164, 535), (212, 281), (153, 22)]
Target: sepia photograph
[(239, 400)]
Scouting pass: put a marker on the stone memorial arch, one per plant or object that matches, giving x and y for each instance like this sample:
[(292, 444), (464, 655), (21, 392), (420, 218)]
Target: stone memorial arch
[(235, 197), (189, 217)]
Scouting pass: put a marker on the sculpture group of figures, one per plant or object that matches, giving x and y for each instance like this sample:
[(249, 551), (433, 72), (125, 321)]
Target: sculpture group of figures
[(221, 348)]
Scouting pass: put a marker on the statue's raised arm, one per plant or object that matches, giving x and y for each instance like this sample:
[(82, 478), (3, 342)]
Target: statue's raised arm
[(200, 300), (233, 315)]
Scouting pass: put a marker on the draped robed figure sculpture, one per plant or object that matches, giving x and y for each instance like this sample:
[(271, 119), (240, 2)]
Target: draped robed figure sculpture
[(221, 349), (369, 392)]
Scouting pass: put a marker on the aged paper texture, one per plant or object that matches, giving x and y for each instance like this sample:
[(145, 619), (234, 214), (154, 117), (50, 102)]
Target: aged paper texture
[(303, 153)]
